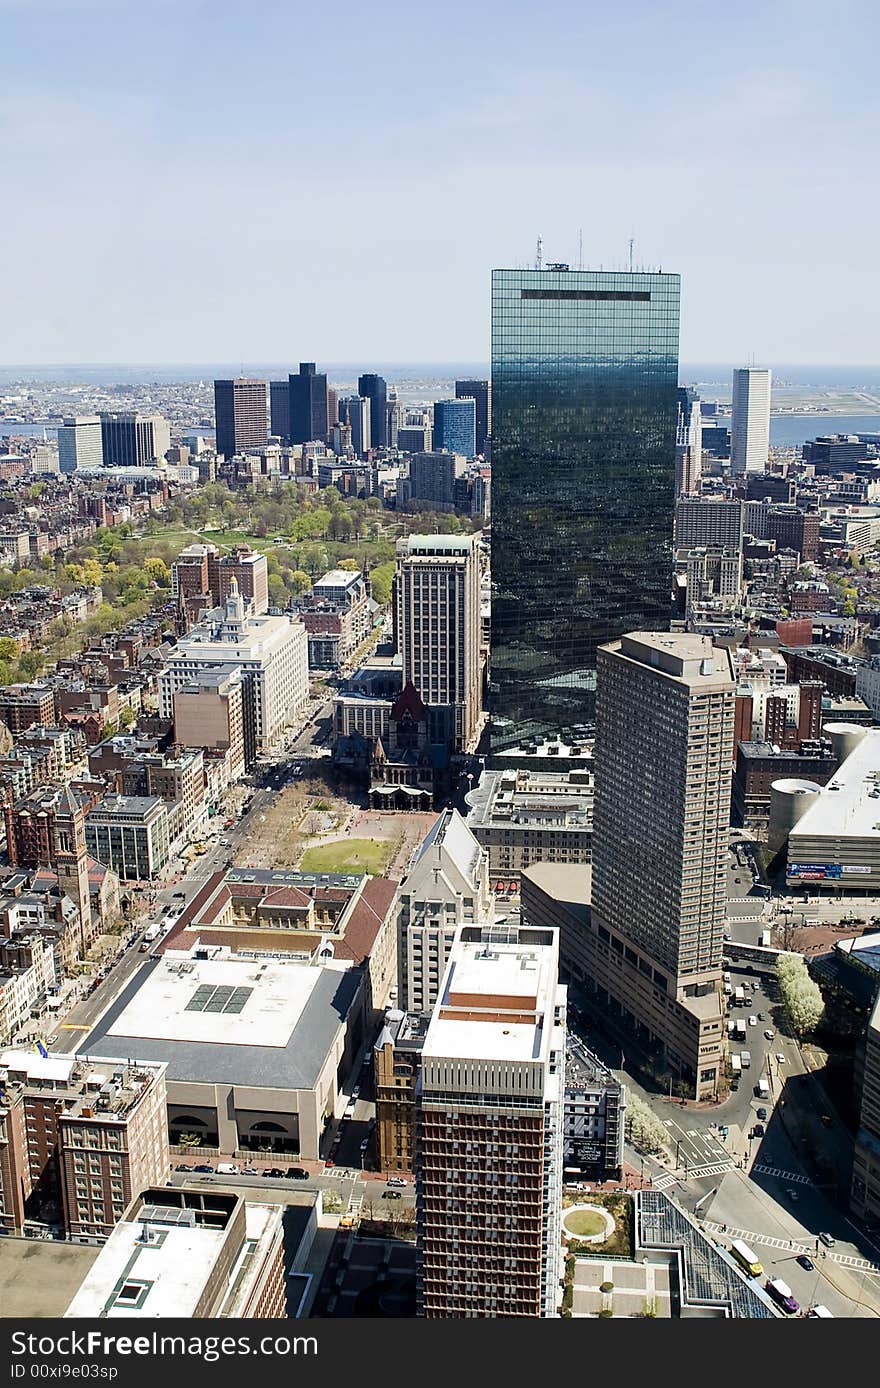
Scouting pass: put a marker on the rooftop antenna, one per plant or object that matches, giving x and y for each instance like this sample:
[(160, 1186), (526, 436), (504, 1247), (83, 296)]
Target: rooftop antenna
[(631, 244), (580, 248), (539, 253)]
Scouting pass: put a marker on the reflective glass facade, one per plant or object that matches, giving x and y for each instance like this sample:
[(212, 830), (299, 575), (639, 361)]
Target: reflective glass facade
[(584, 410)]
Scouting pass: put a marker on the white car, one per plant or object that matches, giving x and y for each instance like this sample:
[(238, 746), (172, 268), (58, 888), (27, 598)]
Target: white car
[(753, 1021), (769, 1035), (780, 1058), (396, 1181)]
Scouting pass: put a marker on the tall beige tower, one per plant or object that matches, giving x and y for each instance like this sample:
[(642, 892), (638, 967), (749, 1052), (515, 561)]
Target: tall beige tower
[(438, 626), (72, 861), (663, 755)]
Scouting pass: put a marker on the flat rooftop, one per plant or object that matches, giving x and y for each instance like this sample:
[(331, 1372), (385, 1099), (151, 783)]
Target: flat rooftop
[(166, 1273), (848, 807), (516, 977), (262, 1023), (38, 1277)]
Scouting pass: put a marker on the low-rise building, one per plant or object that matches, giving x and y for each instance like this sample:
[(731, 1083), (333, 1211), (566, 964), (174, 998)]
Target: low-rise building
[(835, 843), (77, 1138), (337, 612), (193, 1252), (396, 1068), (271, 652), (130, 834), (258, 1047), (523, 817), (760, 763)]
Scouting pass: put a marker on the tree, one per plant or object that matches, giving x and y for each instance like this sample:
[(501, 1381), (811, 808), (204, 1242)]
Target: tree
[(299, 582), (381, 579), (801, 996), (158, 571), (643, 1128), (92, 573), (127, 717), (8, 648), (351, 565)]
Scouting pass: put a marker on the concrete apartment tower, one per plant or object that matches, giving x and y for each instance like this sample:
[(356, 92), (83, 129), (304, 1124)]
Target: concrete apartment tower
[(490, 1130), (750, 426), (438, 626), (664, 751), (446, 886)]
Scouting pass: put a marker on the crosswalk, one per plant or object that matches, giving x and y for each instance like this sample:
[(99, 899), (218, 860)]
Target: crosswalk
[(749, 1236), (355, 1204), (794, 1176), (695, 1173)]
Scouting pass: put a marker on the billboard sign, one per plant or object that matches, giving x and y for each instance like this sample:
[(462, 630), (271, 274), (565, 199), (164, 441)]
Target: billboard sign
[(814, 872)]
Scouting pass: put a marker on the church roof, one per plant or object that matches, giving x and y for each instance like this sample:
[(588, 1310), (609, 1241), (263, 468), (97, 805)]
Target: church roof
[(409, 701)]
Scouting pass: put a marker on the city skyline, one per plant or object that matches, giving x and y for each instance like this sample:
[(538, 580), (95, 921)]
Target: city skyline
[(715, 174)]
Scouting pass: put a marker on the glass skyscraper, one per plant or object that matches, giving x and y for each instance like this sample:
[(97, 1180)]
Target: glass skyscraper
[(584, 411), (455, 426)]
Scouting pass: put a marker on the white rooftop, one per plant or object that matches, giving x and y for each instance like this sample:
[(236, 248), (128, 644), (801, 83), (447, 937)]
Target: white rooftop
[(849, 805), (518, 978), (54, 1067), (176, 1271), (169, 1006)]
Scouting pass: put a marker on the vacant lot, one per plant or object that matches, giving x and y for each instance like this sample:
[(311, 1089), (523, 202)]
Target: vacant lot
[(348, 855)]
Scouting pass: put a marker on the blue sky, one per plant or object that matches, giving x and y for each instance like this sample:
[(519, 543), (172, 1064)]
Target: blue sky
[(199, 180)]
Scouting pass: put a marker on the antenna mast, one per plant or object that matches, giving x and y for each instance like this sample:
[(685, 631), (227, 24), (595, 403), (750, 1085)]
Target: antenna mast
[(631, 244), (539, 255), (580, 248)]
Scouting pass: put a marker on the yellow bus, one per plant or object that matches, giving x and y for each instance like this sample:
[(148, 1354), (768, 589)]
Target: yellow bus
[(746, 1258)]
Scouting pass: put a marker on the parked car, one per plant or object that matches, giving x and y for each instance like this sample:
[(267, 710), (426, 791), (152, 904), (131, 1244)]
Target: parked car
[(762, 1113), (275, 1173), (768, 1034), (249, 1171), (297, 1173), (365, 1144), (758, 1130), (395, 1181), (391, 1195), (204, 1168), (828, 1241), (753, 1021), (184, 1166)]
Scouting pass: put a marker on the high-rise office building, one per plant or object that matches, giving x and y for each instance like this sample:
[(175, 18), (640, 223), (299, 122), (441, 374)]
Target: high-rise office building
[(79, 443), (308, 404), (374, 389), (332, 407), (490, 1129), (356, 412), (438, 625), (240, 415), (279, 410), (663, 757), (688, 442), (480, 393), (455, 426), (129, 439), (750, 425), (584, 410)]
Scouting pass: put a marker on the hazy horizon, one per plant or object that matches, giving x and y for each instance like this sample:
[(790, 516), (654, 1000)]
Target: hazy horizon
[(189, 180)]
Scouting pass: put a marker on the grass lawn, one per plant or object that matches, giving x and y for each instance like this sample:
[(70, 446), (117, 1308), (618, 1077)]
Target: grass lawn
[(584, 1222), (349, 855)]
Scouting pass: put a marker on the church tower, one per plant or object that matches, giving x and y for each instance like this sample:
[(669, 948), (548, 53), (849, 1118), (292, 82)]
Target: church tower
[(72, 861)]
